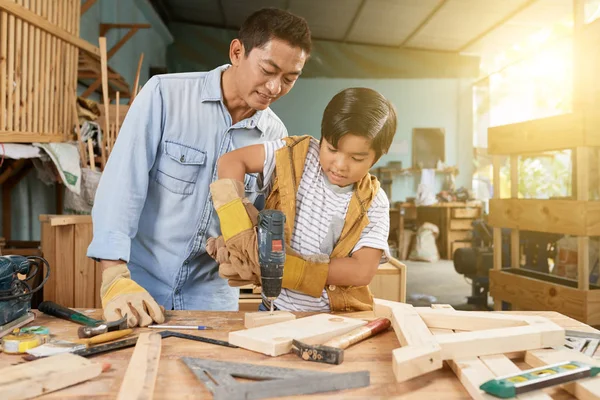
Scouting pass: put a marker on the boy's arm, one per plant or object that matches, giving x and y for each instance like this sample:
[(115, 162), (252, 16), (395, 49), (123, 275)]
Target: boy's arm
[(357, 270), (237, 163)]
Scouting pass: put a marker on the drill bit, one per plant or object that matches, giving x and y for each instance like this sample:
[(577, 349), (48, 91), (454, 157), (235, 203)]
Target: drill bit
[(271, 307)]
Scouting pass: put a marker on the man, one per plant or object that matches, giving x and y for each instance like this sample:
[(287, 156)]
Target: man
[(152, 212)]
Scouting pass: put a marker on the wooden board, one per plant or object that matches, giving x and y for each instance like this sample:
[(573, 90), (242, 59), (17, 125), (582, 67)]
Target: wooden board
[(461, 224), (534, 294), (466, 212), (571, 217), (276, 339), (35, 378), (389, 283), (262, 318), (468, 320), (140, 377), (544, 134)]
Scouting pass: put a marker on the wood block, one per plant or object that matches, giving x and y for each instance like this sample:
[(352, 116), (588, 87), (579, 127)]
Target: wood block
[(411, 361), (249, 305), (35, 378), (276, 339), (260, 318), (142, 370)]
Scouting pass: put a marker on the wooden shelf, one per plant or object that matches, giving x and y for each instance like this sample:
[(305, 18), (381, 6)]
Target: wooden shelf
[(88, 73), (570, 217)]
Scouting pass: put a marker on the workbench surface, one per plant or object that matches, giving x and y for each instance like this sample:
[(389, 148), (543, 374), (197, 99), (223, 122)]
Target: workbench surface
[(176, 381)]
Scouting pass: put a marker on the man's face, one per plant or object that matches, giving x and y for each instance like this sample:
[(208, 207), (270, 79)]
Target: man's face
[(349, 162), (267, 73)]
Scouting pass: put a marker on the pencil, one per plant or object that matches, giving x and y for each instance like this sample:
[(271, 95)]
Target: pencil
[(194, 327)]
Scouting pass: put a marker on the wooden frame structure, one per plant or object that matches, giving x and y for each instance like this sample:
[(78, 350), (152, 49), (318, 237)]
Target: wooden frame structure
[(39, 43), (579, 130)]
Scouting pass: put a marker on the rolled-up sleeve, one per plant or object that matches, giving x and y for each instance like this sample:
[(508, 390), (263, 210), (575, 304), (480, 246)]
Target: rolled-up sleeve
[(123, 186)]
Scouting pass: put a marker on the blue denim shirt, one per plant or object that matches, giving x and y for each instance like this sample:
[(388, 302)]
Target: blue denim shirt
[(153, 206)]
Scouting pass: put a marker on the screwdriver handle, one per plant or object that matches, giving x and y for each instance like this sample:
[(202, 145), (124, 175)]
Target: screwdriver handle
[(56, 310), (105, 337)]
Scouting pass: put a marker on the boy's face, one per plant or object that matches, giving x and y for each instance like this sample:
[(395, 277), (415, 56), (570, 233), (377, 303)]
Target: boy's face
[(349, 162), (267, 73)]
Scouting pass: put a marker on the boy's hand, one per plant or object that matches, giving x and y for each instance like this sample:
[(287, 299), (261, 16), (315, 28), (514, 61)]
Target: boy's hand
[(239, 272), (306, 274)]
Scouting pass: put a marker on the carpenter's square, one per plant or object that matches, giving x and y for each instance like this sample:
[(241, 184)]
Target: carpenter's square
[(219, 378)]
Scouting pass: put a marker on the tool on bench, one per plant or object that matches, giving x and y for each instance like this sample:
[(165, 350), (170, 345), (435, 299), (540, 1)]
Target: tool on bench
[(92, 326), (538, 378), (218, 377), (122, 344), (15, 293), (104, 337), (582, 342), (271, 252), (332, 352)]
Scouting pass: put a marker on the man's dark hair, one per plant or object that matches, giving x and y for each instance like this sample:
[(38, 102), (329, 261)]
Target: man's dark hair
[(271, 23), (361, 112)]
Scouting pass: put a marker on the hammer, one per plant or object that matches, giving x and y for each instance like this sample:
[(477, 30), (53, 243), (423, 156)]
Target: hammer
[(92, 326), (332, 352)]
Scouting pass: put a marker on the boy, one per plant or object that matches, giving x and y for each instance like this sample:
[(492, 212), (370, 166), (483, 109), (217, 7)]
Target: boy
[(337, 217)]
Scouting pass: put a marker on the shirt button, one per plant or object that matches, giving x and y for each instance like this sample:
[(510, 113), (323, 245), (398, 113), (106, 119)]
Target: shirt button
[(332, 287), (182, 159)]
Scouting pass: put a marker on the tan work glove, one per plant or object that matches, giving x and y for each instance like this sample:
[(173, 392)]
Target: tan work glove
[(306, 274), (121, 295), (239, 263)]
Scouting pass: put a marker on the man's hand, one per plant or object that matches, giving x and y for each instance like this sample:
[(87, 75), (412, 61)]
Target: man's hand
[(239, 262), (121, 296)]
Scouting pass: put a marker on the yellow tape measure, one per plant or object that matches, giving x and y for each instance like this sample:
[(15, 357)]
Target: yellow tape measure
[(19, 343)]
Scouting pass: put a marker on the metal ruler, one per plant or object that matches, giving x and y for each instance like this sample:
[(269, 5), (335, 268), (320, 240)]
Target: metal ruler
[(219, 378)]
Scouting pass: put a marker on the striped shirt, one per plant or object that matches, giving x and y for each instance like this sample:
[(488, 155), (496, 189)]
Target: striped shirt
[(320, 213)]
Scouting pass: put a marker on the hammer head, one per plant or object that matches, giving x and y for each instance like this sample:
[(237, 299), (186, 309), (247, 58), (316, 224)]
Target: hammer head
[(91, 331), (317, 353)]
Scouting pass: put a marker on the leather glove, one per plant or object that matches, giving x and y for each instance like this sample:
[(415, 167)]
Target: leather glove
[(121, 295), (216, 248), (306, 274), (238, 224)]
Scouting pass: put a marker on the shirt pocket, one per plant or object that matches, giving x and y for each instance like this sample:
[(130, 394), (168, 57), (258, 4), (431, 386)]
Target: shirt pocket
[(179, 166)]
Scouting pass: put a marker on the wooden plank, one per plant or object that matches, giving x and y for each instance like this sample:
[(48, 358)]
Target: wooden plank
[(37, 57), (48, 245), (97, 284), (58, 220), (498, 341), (420, 352), (85, 275), (466, 212), (277, 339), (515, 248), (137, 79), (262, 318), (24, 14), (28, 89), (47, 48), (387, 283), (105, 98), (64, 269), (39, 377), (472, 372), (11, 72), (572, 217), (540, 135), (533, 294), (584, 389), (142, 371), (468, 320), (18, 70), (3, 66), (86, 6), (52, 10), (29, 137)]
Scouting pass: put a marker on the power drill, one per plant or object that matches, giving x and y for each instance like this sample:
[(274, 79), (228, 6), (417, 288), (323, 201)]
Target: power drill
[(271, 252), (15, 294)]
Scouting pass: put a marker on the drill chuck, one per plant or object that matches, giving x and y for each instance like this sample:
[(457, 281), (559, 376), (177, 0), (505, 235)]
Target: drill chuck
[(271, 251)]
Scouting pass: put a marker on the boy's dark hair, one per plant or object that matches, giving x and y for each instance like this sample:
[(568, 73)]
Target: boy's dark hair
[(269, 23), (361, 112)]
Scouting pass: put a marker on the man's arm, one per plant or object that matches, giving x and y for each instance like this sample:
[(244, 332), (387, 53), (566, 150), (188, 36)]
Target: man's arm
[(124, 183), (237, 163), (357, 270)]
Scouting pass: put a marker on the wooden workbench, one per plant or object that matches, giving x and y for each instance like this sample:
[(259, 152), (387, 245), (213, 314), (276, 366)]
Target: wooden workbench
[(176, 381)]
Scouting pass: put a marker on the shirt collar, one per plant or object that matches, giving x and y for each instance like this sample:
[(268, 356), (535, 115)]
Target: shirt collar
[(212, 91)]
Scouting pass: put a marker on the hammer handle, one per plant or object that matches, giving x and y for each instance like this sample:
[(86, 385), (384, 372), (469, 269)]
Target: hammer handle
[(355, 336), (56, 310)]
